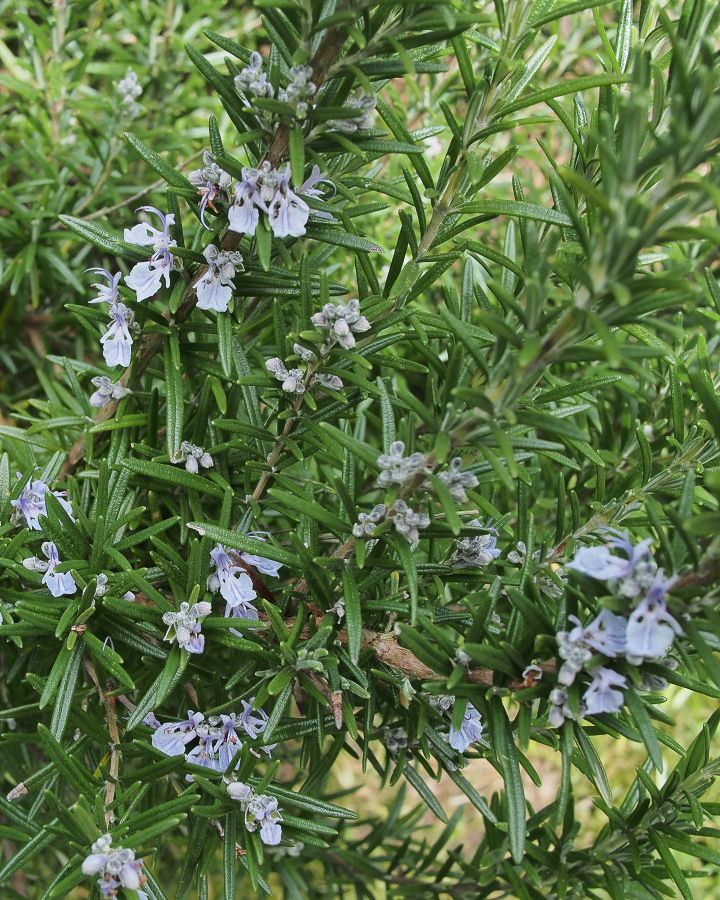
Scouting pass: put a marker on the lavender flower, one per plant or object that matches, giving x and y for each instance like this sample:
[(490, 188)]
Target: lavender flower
[(185, 626), (234, 584), (243, 215), (214, 289), (268, 190), (456, 481), (252, 81), (606, 633), (342, 322), (172, 738), (287, 212), (146, 277), (602, 696), (407, 521), (261, 811), (193, 456), (599, 563), (106, 391), (117, 868), (469, 732), (365, 525), (212, 182), (30, 505), (476, 551), (58, 583), (395, 467), (117, 340), (107, 293), (651, 628), (266, 566)]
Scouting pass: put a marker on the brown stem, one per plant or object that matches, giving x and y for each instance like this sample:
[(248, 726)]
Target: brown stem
[(152, 344)]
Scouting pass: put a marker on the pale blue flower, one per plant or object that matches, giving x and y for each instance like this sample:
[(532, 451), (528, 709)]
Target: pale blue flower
[(602, 695), (172, 738), (107, 293), (234, 584), (214, 289), (263, 811), (252, 80), (58, 583), (244, 215), (457, 481), (476, 551), (266, 566), (395, 467), (651, 628), (30, 505), (599, 563), (117, 340), (146, 277), (106, 391), (469, 732), (185, 626), (116, 866), (606, 633), (288, 213)]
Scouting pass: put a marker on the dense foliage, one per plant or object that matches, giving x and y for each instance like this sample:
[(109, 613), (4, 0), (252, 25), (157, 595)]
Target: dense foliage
[(379, 433)]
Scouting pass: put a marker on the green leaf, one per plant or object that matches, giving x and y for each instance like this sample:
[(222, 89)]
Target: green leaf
[(503, 743), (174, 475)]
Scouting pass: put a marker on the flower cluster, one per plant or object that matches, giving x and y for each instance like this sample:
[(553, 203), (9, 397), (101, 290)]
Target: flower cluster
[(116, 866), (129, 89), (252, 81), (268, 190), (396, 468), (193, 457), (117, 340), (146, 278), (457, 481), (218, 737), (342, 322), (293, 380), (184, 626), (647, 634), (31, 504), (366, 103), (214, 288), (106, 391), (476, 551), (299, 93), (408, 521), (58, 583), (231, 579), (261, 811), (366, 523), (212, 183)]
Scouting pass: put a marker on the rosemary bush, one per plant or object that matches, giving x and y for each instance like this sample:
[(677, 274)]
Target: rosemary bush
[(383, 434)]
